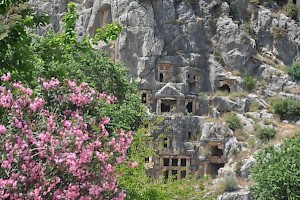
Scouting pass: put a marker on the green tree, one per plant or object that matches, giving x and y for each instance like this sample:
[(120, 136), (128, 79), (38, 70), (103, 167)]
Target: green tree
[(277, 174), (15, 41), (287, 108), (63, 56), (294, 70)]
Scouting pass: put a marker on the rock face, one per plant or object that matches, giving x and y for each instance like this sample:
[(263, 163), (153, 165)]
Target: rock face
[(238, 195), (182, 52)]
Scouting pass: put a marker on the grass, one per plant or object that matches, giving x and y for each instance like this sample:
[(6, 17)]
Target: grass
[(240, 94), (255, 106), (229, 184), (232, 121), (220, 93)]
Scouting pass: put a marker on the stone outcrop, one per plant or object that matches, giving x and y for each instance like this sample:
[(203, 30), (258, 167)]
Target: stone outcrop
[(182, 52), (237, 195)]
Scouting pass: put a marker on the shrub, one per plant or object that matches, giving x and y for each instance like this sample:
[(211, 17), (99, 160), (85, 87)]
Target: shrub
[(287, 108), (276, 173), (238, 167), (294, 70), (249, 82), (233, 121), (219, 57), (57, 144), (291, 10), (234, 151), (277, 32), (254, 2), (229, 184), (265, 134)]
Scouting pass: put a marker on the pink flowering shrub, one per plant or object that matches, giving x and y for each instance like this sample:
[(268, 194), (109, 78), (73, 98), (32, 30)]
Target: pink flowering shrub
[(55, 144)]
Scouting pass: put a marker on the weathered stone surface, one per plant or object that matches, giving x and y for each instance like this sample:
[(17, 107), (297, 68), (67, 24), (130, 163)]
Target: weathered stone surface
[(177, 49), (245, 169), (237, 195)]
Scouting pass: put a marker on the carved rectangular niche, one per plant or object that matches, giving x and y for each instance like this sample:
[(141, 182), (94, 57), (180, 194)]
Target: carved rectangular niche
[(175, 166), (166, 105), (146, 97), (190, 106), (164, 72), (193, 80)]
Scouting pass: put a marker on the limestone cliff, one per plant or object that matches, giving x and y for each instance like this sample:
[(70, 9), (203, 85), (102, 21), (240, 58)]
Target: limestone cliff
[(181, 52)]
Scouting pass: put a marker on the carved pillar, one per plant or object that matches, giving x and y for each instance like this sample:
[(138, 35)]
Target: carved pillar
[(158, 106)]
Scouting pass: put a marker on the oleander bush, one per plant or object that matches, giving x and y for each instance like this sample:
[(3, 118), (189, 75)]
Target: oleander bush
[(55, 143)]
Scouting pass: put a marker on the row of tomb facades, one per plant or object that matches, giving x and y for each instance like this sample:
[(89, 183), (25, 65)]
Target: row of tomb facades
[(183, 151)]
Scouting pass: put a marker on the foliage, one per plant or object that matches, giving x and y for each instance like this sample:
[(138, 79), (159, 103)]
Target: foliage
[(55, 142), (265, 134), (256, 2), (62, 56), (294, 70), (278, 32), (238, 167), (287, 108), (219, 57), (276, 173), (249, 82), (233, 121), (15, 52), (108, 33), (234, 151), (229, 184), (291, 10)]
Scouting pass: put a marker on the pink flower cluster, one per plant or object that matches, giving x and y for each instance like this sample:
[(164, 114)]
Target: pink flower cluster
[(52, 148)]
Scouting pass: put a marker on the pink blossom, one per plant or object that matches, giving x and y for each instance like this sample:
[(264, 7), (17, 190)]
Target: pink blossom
[(5, 77), (2, 129), (37, 104), (133, 164), (59, 138), (6, 99), (72, 192), (95, 190), (71, 84)]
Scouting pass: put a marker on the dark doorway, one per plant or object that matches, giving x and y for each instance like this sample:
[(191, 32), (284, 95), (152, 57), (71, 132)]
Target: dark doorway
[(224, 88), (144, 98), (166, 143), (189, 107), (215, 151), (214, 168), (165, 107), (166, 162), (166, 174), (189, 135), (174, 174), (161, 77), (183, 174), (174, 162)]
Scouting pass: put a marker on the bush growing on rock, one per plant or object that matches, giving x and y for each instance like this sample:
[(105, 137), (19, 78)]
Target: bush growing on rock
[(294, 70), (265, 134), (232, 121), (291, 10), (287, 108), (249, 82), (55, 143), (229, 184)]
